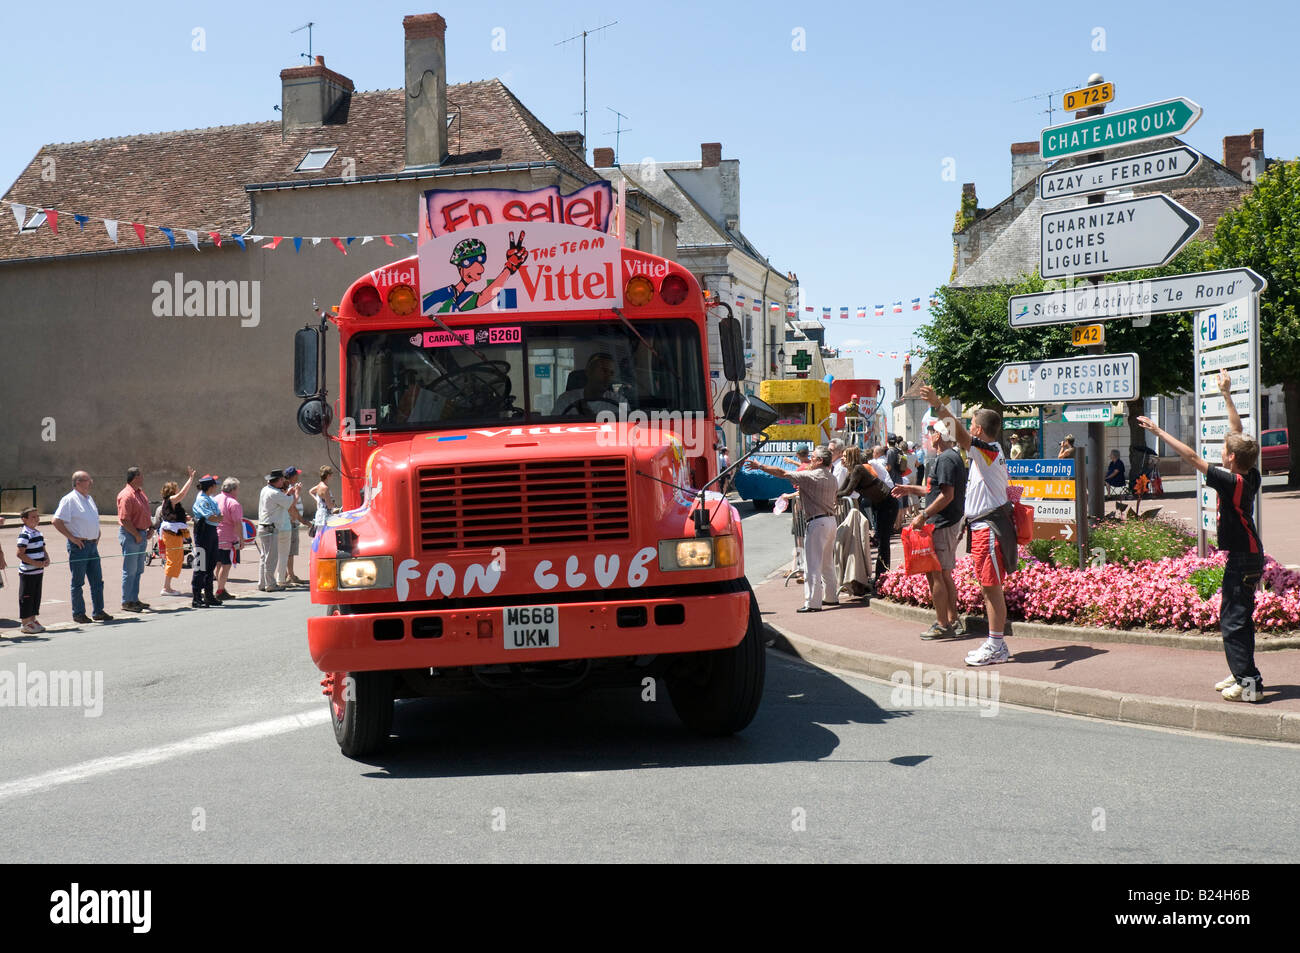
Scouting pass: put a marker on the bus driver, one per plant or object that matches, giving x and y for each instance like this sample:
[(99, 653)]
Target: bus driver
[(596, 394)]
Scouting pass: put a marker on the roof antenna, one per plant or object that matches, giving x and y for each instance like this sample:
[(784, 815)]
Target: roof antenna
[(584, 34), (1049, 94), (306, 26), (618, 130)]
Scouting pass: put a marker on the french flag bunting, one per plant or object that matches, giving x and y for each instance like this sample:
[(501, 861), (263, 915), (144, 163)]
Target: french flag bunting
[(52, 217), (297, 243), (20, 214), (110, 226), (773, 306), (216, 238), (844, 313), (740, 299), (880, 310), (826, 314), (898, 307), (139, 231), (171, 236), (81, 221), (916, 304), (862, 311), (791, 312), (808, 307), (757, 305), (240, 240), (193, 237), (893, 355), (274, 243), (388, 240), (338, 243)]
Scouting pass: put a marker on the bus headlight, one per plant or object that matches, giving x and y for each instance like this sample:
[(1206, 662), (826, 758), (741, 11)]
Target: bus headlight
[(374, 572), (711, 552)]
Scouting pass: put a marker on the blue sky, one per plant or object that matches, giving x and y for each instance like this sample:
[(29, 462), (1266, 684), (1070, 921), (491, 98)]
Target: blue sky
[(842, 144)]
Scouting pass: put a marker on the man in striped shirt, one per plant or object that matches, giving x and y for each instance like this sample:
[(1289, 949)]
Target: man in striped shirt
[(1237, 483)]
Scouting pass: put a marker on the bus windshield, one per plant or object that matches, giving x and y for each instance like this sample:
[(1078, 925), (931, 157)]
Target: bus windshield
[(521, 373)]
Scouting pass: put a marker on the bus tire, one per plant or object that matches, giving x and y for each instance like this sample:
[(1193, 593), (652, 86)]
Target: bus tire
[(361, 710), (719, 694)]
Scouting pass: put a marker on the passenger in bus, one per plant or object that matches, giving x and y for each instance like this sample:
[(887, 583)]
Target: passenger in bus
[(596, 390)]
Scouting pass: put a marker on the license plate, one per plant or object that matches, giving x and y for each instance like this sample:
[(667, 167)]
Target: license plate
[(531, 627)]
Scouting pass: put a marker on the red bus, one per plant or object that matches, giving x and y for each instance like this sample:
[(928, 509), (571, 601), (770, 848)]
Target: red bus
[(522, 470)]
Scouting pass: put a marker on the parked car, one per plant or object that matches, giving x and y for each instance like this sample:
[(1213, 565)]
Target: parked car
[(1275, 450)]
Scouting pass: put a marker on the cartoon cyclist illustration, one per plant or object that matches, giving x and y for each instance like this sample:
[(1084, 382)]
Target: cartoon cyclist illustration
[(469, 257)]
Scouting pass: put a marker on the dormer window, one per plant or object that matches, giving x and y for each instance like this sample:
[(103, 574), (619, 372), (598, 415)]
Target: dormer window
[(315, 160), (33, 223)]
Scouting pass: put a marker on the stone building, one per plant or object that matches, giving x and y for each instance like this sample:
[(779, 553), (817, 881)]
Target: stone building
[(118, 376)]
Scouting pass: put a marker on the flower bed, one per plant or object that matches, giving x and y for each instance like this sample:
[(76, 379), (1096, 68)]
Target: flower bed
[(1156, 594)]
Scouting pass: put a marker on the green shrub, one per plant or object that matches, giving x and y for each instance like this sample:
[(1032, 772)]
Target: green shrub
[(1065, 553), (1136, 540), (1041, 549), (1207, 581)]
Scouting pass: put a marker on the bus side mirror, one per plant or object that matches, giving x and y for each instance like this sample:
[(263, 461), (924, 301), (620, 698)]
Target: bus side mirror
[(733, 349), (756, 416), (306, 362), (314, 416)]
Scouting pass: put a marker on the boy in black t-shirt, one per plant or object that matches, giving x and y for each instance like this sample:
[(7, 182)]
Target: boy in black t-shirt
[(1237, 483)]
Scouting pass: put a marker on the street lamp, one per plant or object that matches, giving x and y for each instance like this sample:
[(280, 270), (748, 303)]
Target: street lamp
[(780, 363)]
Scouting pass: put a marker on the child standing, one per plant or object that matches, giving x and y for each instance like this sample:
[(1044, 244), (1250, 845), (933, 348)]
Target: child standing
[(31, 572), (1237, 483)]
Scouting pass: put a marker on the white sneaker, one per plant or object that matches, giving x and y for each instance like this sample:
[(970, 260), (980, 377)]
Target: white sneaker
[(1226, 683), (990, 653)]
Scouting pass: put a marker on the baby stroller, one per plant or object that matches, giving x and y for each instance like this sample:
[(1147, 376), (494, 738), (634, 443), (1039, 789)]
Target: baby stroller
[(250, 536)]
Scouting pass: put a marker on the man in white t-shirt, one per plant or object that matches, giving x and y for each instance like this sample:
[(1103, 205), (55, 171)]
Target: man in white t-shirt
[(77, 518), (992, 525)]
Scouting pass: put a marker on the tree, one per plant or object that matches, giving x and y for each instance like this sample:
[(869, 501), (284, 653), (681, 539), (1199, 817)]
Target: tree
[(1263, 233)]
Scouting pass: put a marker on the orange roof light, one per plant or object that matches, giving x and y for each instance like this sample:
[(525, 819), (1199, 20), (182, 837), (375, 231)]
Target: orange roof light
[(402, 300), (639, 291)]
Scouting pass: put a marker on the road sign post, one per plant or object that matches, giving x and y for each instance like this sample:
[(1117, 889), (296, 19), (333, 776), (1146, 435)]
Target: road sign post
[(1224, 338), (1113, 236), (1053, 490)]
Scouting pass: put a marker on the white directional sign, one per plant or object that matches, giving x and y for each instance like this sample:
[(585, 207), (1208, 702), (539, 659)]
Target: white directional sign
[(1090, 377), (1127, 299), (1234, 356), (1114, 236), (1119, 173), (1209, 384), (1053, 511), (1087, 413), (1217, 428)]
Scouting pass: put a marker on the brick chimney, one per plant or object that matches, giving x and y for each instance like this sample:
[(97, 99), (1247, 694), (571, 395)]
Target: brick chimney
[(1025, 163), (573, 139), (425, 51), (907, 376), (710, 154), (309, 95), (1242, 153), (602, 158)]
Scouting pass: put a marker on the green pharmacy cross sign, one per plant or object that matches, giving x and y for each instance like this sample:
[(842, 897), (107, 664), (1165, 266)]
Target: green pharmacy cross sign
[(802, 360), (1173, 117)]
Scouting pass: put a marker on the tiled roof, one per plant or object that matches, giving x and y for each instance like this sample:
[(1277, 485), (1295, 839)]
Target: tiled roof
[(195, 178)]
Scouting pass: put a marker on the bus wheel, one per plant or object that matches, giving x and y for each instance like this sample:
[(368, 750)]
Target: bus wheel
[(719, 692), (361, 710)]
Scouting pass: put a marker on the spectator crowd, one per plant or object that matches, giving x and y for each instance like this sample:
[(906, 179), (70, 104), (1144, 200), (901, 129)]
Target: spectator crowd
[(207, 534)]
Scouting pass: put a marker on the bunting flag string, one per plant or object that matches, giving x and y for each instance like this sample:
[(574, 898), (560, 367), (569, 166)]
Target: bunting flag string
[(50, 216)]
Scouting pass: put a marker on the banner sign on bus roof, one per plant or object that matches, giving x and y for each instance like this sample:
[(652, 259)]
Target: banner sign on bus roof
[(443, 211), (514, 268)]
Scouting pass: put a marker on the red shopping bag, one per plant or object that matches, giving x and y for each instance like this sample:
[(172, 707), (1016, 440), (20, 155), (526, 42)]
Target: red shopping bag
[(1024, 523), (918, 551)]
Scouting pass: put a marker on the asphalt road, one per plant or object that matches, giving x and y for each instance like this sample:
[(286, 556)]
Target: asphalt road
[(213, 745)]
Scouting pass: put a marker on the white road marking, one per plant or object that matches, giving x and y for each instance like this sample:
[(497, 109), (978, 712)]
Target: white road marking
[(147, 756)]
